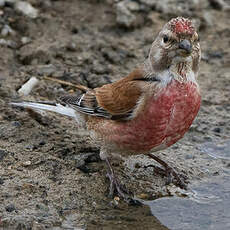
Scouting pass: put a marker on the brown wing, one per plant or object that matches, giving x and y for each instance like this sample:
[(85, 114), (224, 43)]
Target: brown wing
[(112, 101), (118, 98)]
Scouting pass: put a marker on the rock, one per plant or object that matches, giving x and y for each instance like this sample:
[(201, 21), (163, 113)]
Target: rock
[(71, 46), (219, 4), (26, 8), (27, 163), (7, 30), (46, 70), (3, 153), (81, 160), (2, 3), (25, 40), (124, 15), (8, 43), (42, 142), (100, 68), (215, 54), (1, 181), (132, 6), (110, 55), (206, 20), (217, 130), (16, 124), (149, 3), (28, 56), (175, 8), (10, 2), (10, 208), (94, 80)]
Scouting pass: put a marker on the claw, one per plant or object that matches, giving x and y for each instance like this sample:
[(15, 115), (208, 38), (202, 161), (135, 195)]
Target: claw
[(116, 188), (170, 173)]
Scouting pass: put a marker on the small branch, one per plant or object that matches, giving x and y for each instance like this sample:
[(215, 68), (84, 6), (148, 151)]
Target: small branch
[(80, 87)]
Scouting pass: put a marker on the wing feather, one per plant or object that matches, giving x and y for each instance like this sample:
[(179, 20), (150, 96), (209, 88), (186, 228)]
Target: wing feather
[(112, 101)]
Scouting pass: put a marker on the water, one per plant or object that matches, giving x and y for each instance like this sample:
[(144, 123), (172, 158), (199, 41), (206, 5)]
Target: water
[(207, 206), (219, 149)]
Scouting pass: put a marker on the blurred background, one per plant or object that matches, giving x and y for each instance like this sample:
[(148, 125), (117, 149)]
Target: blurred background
[(50, 174)]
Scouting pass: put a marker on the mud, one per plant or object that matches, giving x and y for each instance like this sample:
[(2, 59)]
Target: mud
[(50, 174)]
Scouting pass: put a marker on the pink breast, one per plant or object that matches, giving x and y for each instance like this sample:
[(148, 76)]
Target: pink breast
[(164, 121)]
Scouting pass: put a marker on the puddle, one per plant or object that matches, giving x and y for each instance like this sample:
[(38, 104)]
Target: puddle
[(208, 207), (217, 149)]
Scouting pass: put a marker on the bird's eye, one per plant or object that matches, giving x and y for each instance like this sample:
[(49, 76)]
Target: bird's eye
[(165, 38)]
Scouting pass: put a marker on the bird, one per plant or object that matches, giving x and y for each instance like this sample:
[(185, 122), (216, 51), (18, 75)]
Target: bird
[(146, 111)]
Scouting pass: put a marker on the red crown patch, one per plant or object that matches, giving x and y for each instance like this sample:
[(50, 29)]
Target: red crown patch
[(182, 26)]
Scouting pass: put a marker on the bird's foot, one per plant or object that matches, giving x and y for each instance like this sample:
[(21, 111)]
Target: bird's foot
[(116, 188), (170, 173)]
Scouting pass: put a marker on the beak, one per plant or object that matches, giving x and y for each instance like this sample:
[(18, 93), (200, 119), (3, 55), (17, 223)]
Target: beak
[(186, 45)]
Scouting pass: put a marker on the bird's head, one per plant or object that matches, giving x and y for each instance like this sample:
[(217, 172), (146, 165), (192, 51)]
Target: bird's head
[(176, 43)]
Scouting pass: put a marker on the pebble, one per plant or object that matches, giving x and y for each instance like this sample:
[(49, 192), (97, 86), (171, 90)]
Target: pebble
[(25, 40), (215, 54), (30, 147), (42, 142), (27, 163), (189, 157), (7, 30), (10, 208), (1, 181), (173, 7), (16, 124), (207, 19), (143, 196), (219, 4), (124, 16), (2, 3), (132, 6), (26, 8), (100, 69), (112, 56), (3, 153), (150, 3), (10, 2), (8, 43), (217, 130), (29, 56), (46, 70), (71, 46)]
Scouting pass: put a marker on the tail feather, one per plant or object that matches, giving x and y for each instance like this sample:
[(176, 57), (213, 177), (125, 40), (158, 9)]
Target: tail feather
[(57, 108)]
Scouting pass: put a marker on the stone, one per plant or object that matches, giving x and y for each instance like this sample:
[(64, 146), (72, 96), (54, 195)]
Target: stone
[(7, 30), (3, 153), (124, 16), (10, 208), (2, 3), (26, 8)]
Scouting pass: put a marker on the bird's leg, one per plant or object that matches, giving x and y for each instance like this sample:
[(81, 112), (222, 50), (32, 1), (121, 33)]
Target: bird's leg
[(114, 184), (170, 172), (116, 187)]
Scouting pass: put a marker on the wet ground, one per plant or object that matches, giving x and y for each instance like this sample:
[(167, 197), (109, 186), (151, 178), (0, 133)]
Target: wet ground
[(50, 174), (206, 205)]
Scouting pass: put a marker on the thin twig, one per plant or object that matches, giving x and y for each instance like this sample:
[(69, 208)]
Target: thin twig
[(80, 87)]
